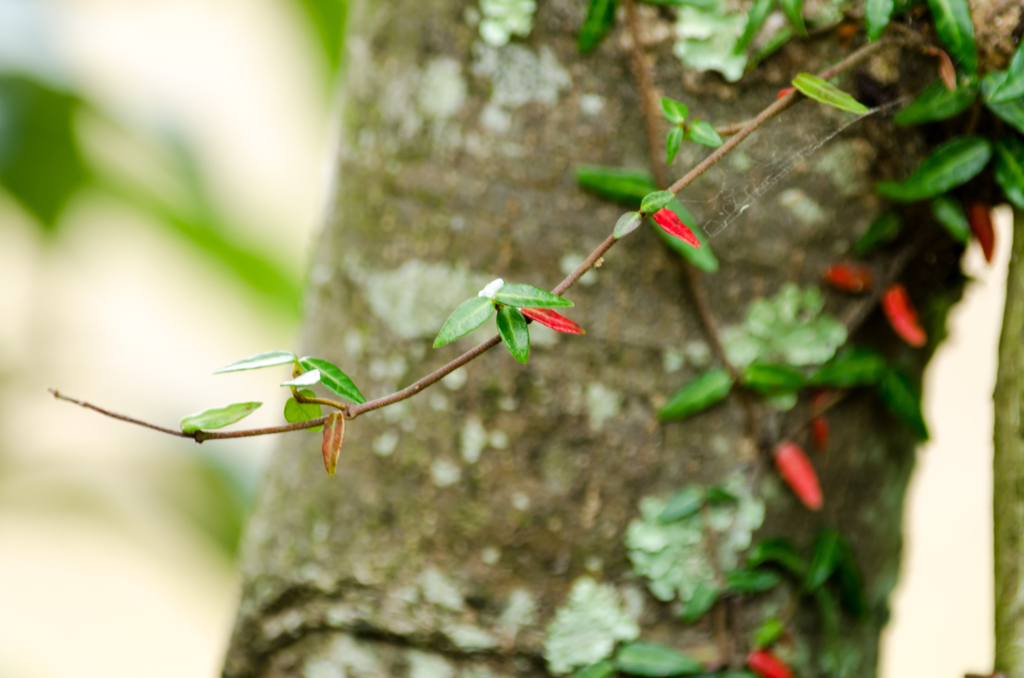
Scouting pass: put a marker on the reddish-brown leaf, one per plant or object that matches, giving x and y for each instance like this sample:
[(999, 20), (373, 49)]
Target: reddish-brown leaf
[(848, 277), (673, 225), (767, 665), (980, 218), (334, 436), (902, 316), (796, 469), (556, 321), (784, 92), (946, 70), (819, 433)]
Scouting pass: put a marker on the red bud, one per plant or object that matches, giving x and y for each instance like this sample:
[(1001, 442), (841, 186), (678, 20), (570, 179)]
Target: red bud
[(767, 665), (850, 277), (334, 436), (784, 92), (902, 316), (673, 225), (796, 469), (548, 318), (981, 225), (819, 433)]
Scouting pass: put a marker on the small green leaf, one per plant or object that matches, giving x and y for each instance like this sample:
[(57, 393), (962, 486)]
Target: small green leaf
[(877, 14), (852, 367), (470, 315), (217, 417), (1011, 112), (296, 412), (903, 401), (686, 502), (307, 378), (700, 394), (675, 137), (255, 362), (657, 661), (882, 230), (768, 633), (828, 613), (601, 669), (953, 163), (333, 378), (751, 581), (703, 598), (1009, 171), (938, 103), (952, 20), (755, 19), (600, 19), (717, 495), (674, 111), (778, 552), (824, 561), (1012, 86), (851, 588), (653, 202), (528, 296), (703, 258), (769, 378), (948, 212), (620, 184), (825, 92), (703, 133), (626, 224), (793, 9), (514, 332)]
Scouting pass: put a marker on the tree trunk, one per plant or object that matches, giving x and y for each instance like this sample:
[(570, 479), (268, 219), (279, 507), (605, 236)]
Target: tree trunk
[(458, 521)]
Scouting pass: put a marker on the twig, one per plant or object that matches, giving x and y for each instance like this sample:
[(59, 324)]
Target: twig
[(643, 79), (114, 415), (719, 611), (733, 128)]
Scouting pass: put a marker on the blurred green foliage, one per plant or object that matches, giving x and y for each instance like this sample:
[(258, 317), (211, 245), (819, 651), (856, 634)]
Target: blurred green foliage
[(328, 19)]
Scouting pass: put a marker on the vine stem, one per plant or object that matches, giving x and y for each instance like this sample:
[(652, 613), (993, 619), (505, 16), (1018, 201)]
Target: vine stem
[(352, 411)]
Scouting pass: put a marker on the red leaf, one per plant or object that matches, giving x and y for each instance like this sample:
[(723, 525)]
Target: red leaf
[(767, 665), (796, 469), (981, 225), (673, 225), (946, 70), (850, 277), (784, 92), (819, 433), (819, 400), (334, 436), (556, 321), (902, 316)]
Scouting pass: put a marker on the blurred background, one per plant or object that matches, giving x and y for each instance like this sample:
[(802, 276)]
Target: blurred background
[(162, 170)]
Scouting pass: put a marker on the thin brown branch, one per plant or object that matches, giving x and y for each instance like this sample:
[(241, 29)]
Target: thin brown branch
[(735, 127), (647, 93), (114, 415)]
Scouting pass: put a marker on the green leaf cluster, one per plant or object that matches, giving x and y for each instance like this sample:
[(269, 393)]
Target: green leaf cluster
[(698, 131), (307, 372)]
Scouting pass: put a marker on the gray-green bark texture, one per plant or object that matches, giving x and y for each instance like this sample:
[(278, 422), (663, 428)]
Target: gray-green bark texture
[(1008, 470), (459, 520)]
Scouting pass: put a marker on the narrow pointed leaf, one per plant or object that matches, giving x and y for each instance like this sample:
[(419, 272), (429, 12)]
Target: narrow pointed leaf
[(952, 20), (334, 436), (797, 470), (217, 417), (528, 296), (657, 661), (600, 19), (903, 401), (675, 137), (851, 587), (255, 362), (470, 315), (751, 581), (674, 111), (778, 552), (333, 378), (703, 133), (1011, 112), (825, 92), (620, 184), (768, 633), (755, 19), (305, 379), (626, 224), (902, 315), (556, 321), (771, 378), (702, 600), (828, 618), (824, 561), (793, 9), (601, 669), (700, 394), (884, 229), (938, 103), (701, 257), (653, 202), (1013, 85), (953, 163), (717, 495), (849, 277), (670, 223), (514, 332), (950, 215), (1009, 171), (686, 502), (852, 367), (767, 665), (295, 412), (877, 14)]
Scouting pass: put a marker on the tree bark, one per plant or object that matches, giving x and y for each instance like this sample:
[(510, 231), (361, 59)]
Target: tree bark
[(458, 521)]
